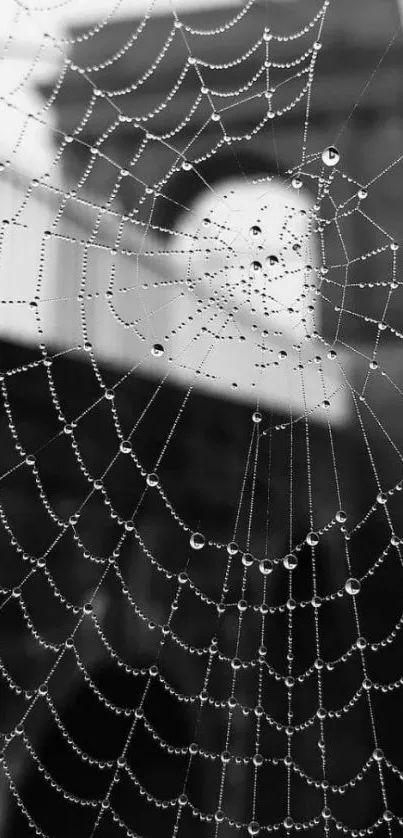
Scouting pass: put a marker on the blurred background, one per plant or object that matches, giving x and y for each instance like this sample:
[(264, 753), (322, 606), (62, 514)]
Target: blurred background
[(100, 218)]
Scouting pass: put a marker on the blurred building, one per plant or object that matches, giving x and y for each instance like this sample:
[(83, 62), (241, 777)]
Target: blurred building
[(351, 104)]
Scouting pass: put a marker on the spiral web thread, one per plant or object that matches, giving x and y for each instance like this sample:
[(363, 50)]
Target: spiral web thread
[(257, 697)]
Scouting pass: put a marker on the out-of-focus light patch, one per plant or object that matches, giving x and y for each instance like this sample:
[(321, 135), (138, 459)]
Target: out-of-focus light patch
[(25, 60), (26, 136), (75, 11), (248, 256), (23, 30), (231, 256), (55, 14)]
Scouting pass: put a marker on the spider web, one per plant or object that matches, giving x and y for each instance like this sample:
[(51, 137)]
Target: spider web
[(215, 633)]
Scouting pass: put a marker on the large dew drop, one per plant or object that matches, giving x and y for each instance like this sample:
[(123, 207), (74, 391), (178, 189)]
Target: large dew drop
[(157, 350), (290, 562), (272, 260), (352, 586), (256, 268), (266, 566), (197, 541), (330, 156), (255, 232)]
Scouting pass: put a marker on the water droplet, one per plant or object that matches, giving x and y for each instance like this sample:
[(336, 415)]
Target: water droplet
[(255, 231), (388, 816), (288, 823), (394, 246), (341, 516), (290, 562), (254, 828), (272, 260), (330, 156), (219, 816), (182, 800), (266, 566), (296, 182), (232, 548), (312, 539), (352, 586), (236, 664), (247, 559), (225, 757), (378, 754), (326, 813), (382, 498), (282, 354), (152, 479), (125, 447), (157, 350), (362, 194), (326, 404), (257, 417), (197, 541), (256, 268), (257, 760)]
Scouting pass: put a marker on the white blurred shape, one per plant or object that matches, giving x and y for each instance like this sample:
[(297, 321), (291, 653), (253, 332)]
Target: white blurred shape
[(222, 338), (284, 216)]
